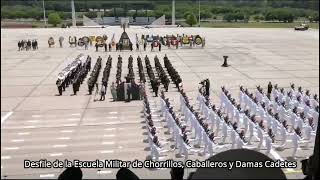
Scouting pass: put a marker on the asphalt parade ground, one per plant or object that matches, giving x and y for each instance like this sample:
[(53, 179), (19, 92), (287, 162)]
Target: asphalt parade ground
[(36, 124)]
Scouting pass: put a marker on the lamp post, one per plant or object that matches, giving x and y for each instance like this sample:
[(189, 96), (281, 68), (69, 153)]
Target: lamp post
[(173, 12), (74, 23), (199, 13), (44, 14)]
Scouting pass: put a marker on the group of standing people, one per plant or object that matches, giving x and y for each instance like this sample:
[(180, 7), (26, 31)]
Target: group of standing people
[(205, 88), (74, 76), (155, 83), (105, 78), (26, 45), (161, 73), (94, 76), (175, 77)]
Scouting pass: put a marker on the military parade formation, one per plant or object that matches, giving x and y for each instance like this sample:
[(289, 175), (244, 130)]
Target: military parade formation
[(74, 74), (276, 119), (268, 120)]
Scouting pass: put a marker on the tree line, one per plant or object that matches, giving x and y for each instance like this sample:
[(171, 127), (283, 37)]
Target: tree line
[(227, 10)]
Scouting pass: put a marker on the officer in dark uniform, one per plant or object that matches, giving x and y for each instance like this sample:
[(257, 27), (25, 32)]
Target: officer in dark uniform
[(96, 47), (166, 84), (121, 46), (156, 87), (90, 85), (269, 89), (19, 45), (105, 47), (207, 87), (58, 83)]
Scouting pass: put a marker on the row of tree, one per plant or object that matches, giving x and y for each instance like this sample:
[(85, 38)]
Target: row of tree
[(208, 11)]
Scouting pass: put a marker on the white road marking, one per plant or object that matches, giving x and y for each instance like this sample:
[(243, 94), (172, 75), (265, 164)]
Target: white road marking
[(76, 114), (5, 157), (33, 121), (59, 145), (29, 126), (46, 175), (23, 133), (11, 148), (36, 115), (114, 112), (113, 117), (108, 135), (107, 142), (69, 124), (64, 138), (109, 129), (104, 172), (73, 119), (106, 151), (66, 131), (55, 154), (6, 117), (17, 140)]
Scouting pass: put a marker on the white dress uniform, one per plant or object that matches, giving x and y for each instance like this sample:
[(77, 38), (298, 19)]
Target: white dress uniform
[(241, 98), (224, 132), (233, 138), (268, 144), (208, 144), (305, 98), (218, 121), (251, 129), (260, 136), (313, 103), (293, 119), (307, 134), (283, 134), (239, 143), (287, 101), (295, 141), (306, 110), (299, 123), (212, 118)]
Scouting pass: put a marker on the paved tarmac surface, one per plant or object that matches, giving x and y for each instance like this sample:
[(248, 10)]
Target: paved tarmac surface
[(37, 124)]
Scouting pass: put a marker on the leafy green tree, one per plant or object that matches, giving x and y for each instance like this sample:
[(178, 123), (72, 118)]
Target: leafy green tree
[(191, 19), (314, 17), (54, 19), (91, 14), (229, 17), (257, 18)]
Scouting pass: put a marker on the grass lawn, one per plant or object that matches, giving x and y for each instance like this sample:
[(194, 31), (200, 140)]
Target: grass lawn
[(255, 25)]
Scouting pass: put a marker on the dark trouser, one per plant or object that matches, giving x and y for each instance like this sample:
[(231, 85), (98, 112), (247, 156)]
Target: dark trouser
[(60, 90), (90, 89), (74, 90), (166, 86), (156, 91), (207, 92)]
